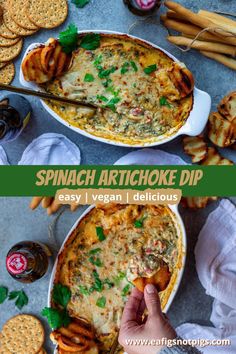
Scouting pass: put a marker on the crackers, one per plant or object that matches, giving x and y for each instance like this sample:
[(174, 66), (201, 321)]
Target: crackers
[(18, 10), (10, 53), (23, 334), (8, 42), (14, 27), (7, 74), (15, 23), (47, 14)]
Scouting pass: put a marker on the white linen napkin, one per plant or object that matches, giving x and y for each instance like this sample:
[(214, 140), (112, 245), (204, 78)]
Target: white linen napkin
[(3, 157), (150, 157), (51, 149), (215, 254)]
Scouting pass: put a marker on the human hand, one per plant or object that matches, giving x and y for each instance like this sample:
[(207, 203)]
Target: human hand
[(154, 327)]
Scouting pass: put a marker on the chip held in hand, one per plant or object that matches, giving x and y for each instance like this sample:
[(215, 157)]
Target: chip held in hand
[(160, 279)]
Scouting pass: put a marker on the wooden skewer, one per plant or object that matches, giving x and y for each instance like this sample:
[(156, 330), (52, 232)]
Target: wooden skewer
[(46, 96)]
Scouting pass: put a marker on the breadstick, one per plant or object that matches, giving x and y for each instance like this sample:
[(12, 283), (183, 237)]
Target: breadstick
[(199, 20), (173, 15), (217, 19), (53, 208), (223, 59), (192, 30), (47, 201), (74, 207), (203, 45), (35, 202)]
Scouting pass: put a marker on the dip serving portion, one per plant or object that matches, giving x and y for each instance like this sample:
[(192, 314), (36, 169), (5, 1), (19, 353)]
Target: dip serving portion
[(111, 247), (141, 93)]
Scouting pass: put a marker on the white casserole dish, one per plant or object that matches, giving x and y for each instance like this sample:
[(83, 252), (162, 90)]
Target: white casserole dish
[(193, 126), (181, 232)]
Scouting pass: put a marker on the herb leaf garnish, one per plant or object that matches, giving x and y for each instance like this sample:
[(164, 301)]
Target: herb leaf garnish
[(101, 302), (3, 294), (150, 69), (119, 277), (80, 3), (61, 295), (20, 297), (89, 78), (69, 39), (126, 290), (105, 73), (56, 318), (95, 251), (134, 66), (90, 41), (100, 233), (139, 223), (95, 261), (163, 102)]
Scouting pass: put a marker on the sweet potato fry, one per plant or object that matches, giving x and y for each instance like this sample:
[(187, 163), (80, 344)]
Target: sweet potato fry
[(195, 147), (32, 68), (46, 54), (161, 279), (221, 131), (79, 329), (66, 344)]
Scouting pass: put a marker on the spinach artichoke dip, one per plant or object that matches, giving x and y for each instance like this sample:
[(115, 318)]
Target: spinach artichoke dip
[(142, 95), (111, 247)]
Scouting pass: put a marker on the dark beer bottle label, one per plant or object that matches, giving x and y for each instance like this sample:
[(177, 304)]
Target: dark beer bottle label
[(16, 263)]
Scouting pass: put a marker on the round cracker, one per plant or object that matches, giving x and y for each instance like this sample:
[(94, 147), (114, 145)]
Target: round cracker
[(22, 334), (48, 14), (5, 32), (2, 65), (7, 42), (13, 26), (10, 53), (18, 10), (7, 74)]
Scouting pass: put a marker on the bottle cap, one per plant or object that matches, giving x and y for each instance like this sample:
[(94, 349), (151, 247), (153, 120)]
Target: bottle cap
[(16, 263)]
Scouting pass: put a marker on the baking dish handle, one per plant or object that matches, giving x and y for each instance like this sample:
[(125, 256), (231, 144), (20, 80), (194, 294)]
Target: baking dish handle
[(199, 115)]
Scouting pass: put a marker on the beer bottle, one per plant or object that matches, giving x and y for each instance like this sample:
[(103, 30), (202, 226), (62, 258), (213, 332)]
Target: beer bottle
[(143, 7), (28, 261), (15, 113)]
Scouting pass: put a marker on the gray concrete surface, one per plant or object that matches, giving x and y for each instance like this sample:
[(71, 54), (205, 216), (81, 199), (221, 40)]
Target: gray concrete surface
[(18, 223)]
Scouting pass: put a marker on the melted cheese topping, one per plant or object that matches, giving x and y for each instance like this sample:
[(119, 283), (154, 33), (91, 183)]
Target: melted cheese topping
[(114, 76), (99, 273)]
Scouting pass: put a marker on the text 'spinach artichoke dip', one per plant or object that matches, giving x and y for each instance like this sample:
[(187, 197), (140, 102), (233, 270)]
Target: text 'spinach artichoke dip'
[(111, 247), (149, 96)]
